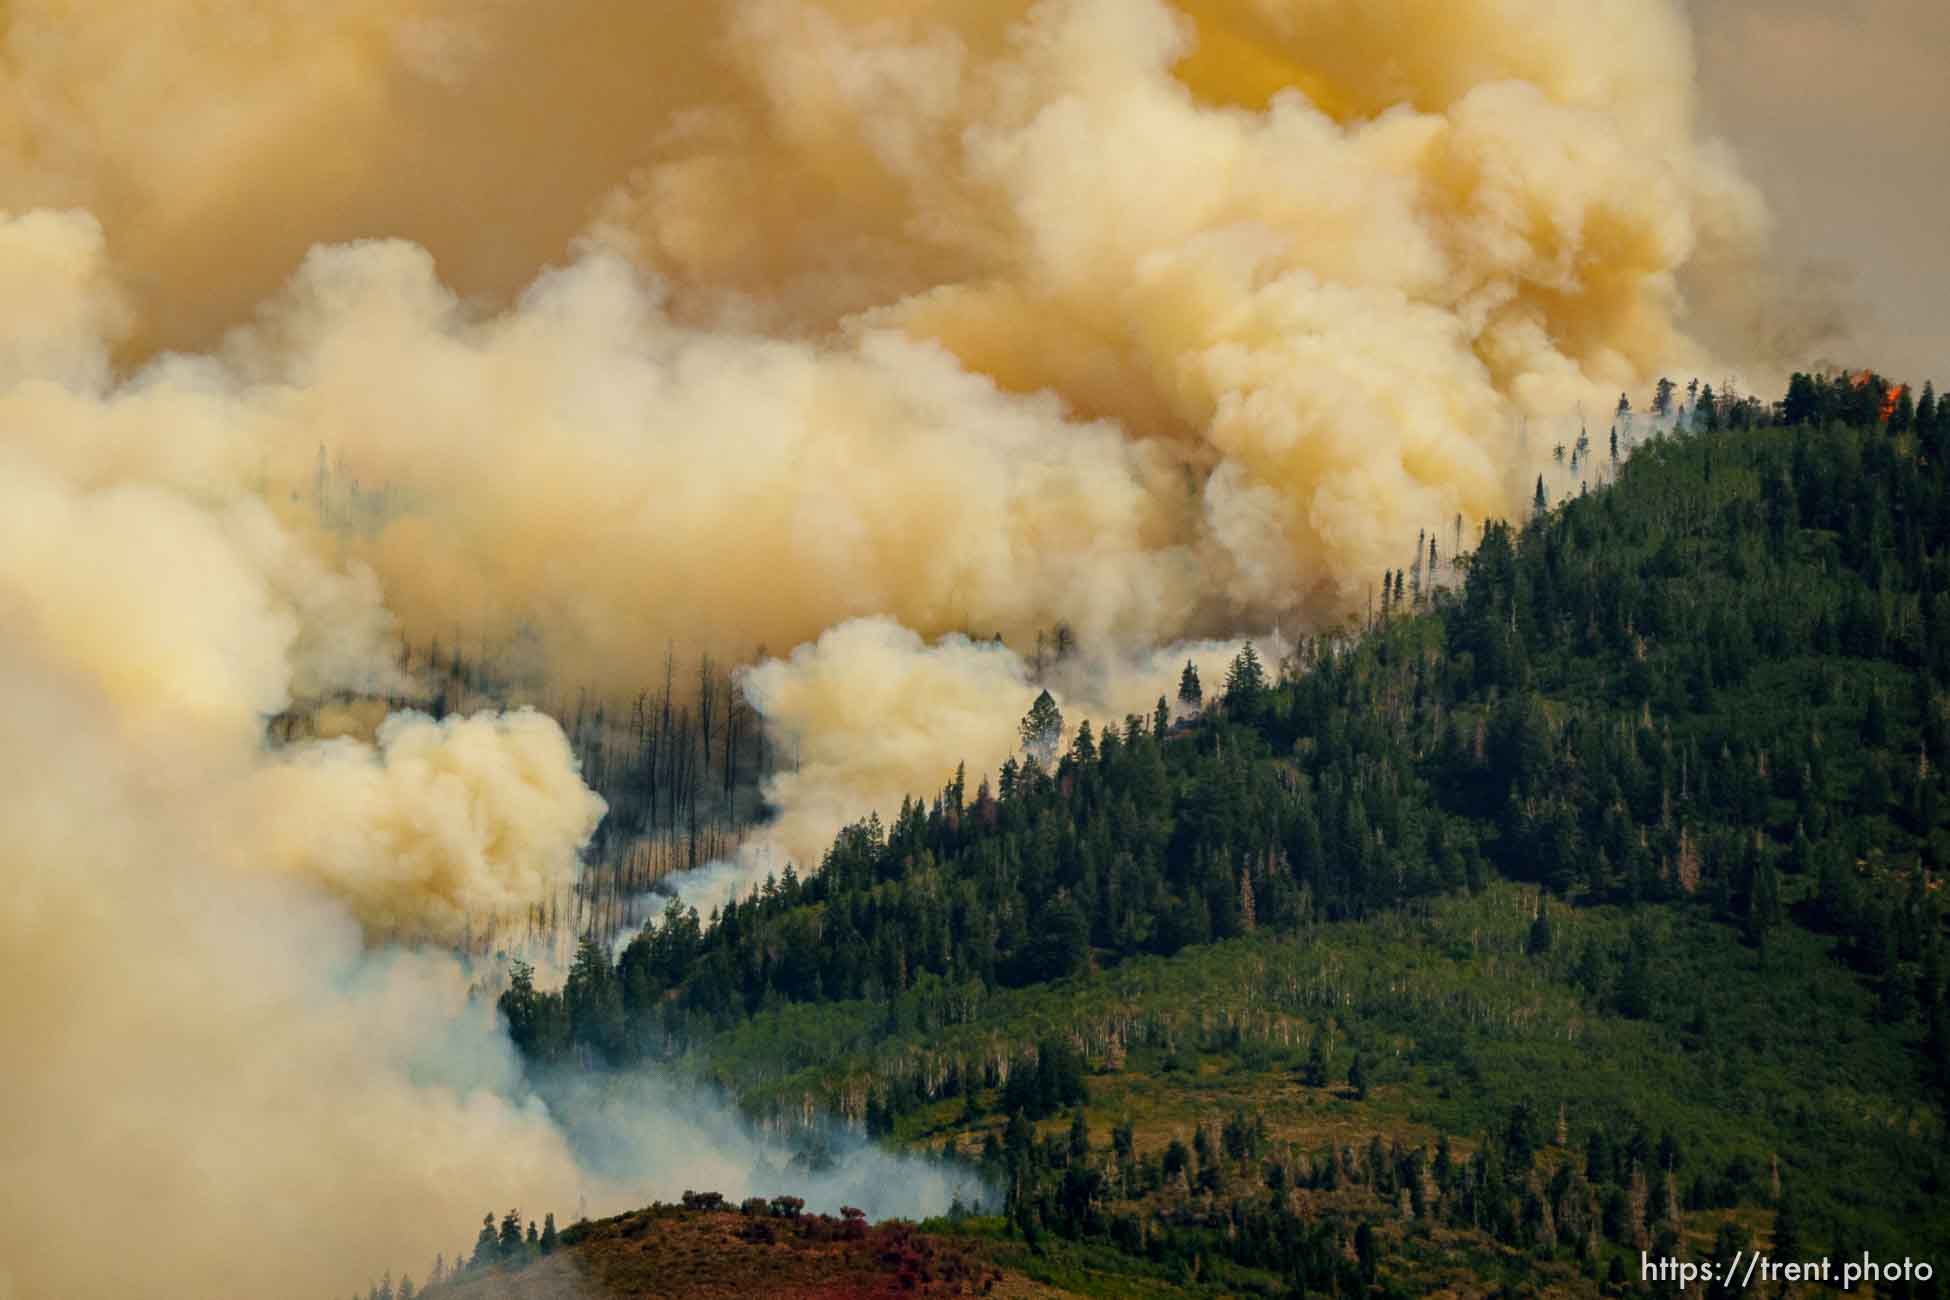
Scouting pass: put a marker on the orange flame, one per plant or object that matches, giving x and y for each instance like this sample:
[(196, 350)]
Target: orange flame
[(1890, 397)]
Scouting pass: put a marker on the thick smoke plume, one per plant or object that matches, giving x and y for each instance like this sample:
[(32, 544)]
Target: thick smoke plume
[(854, 331), (1286, 276)]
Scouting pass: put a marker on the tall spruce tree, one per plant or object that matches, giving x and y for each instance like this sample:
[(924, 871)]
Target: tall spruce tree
[(1042, 729)]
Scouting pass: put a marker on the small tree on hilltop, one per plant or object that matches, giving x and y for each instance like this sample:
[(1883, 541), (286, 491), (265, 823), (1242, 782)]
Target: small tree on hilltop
[(1245, 682), (1042, 729), (485, 1244), (510, 1238)]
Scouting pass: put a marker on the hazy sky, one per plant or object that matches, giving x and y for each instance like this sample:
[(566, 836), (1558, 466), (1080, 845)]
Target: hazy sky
[(1841, 111)]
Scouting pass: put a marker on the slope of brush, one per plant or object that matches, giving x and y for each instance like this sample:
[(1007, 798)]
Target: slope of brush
[(694, 1253)]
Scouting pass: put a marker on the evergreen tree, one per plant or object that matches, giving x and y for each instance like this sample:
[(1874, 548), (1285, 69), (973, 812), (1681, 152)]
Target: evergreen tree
[(1662, 399), (1803, 404), (1191, 696), (1084, 748), (487, 1244), (1540, 502), (1902, 416), (508, 1244), (1062, 944), (1316, 1067), (549, 1239), (1539, 941), (1245, 684), (1875, 721), (1042, 729), (594, 1001), (1635, 981), (1763, 900), (1357, 1077)]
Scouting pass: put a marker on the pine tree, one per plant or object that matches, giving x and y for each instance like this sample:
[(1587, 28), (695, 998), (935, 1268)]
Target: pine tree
[(1539, 941), (1763, 900), (1708, 410), (1875, 721), (1316, 1069), (508, 1245), (1190, 694), (971, 1105), (1245, 683), (1084, 748), (1042, 729), (595, 1001), (1638, 1198), (1357, 1077), (1802, 405), (1540, 502), (486, 1245), (549, 1239), (1902, 417)]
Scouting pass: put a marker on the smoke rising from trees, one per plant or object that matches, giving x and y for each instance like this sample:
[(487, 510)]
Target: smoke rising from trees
[(859, 332)]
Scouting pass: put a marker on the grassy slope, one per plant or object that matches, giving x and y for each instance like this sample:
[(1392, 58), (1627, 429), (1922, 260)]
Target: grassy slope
[(1743, 1056)]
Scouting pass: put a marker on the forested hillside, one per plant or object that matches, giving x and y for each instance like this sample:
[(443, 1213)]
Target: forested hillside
[(1586, 900)]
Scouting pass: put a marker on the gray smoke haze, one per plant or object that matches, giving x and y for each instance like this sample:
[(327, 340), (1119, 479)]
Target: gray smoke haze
[(1839, 109)]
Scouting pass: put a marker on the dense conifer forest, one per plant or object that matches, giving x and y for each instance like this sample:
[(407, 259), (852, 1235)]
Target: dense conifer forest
[(1587, 899)]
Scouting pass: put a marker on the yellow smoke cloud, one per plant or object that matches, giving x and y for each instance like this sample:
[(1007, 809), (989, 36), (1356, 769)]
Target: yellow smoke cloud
[(865, 709), (836, 325), (214, 1052), (1312, 261), (435, 825)]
